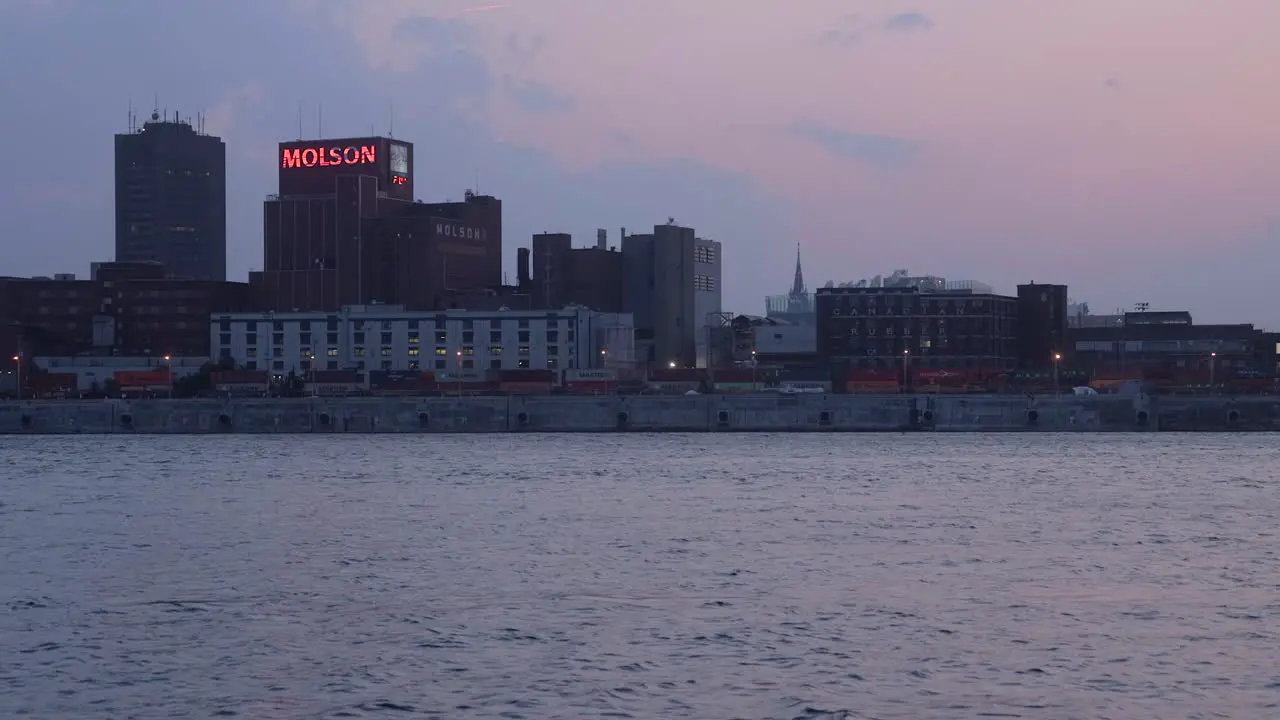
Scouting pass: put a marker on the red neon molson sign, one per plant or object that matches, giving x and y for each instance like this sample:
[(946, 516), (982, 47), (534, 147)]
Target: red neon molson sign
[(328, 156)]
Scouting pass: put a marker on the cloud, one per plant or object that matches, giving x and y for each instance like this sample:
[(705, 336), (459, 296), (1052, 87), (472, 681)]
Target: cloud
[(880, 151), (847, 33), (523, 50), (434, 33), (220, 119), (536, 98), (903, 22)]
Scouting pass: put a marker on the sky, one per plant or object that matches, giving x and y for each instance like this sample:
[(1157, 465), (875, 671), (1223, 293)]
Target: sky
[(1126, 149)]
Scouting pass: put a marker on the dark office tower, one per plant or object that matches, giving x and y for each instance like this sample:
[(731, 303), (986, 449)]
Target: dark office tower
[(171, 198), (1042, 325)]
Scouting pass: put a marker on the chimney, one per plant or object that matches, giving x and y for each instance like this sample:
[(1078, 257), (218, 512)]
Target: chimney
[(522, 267), (623, 232), (602, 239)]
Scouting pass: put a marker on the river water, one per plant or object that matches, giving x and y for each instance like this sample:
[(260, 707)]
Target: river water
[(640, 576)]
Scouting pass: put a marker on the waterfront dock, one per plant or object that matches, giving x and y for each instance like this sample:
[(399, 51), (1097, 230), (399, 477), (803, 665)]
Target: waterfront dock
[(700, 413)]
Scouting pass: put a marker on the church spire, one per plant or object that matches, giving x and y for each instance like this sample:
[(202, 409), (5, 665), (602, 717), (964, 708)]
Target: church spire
[(797, 286)]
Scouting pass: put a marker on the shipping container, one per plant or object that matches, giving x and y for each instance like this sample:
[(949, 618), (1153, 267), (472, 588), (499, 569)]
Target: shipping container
[(873, 386), (241, 382), (240, 377), (677, 375), (882, 375), (590, 375), (737, 375), (331, 388), (529, 387), (342, 377), (590, 387), (524, 375), (50, 385), (675, 387), (729, 388), (393, 382), (134, 379)]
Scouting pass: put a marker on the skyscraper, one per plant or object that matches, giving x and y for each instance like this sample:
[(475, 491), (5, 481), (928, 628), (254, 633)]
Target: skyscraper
[(171, 198)]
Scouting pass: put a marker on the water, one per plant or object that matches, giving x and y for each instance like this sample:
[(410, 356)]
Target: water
[(627, 576)]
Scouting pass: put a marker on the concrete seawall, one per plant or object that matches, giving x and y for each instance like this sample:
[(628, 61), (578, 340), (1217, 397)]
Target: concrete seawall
[(702, 413)]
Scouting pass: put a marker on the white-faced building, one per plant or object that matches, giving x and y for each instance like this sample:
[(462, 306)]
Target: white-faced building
[(387, 337)]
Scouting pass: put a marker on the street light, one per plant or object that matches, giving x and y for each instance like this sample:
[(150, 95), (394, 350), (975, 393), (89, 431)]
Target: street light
[(1057, 358), (17, 360), (753, 369), (905, 353), (169, 364), (459, 374), (311, 358), (672, 364), (1213, 361)]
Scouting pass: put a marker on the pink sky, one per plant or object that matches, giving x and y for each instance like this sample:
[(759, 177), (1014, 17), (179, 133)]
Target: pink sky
[(1073, 139), (1126, 148)]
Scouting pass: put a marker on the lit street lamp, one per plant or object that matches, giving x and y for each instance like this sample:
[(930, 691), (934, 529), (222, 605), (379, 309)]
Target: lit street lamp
[(753, 369), (906, 352), (459, 374), (17, 360), (1057, 358), (1213, 361), (169, 365)]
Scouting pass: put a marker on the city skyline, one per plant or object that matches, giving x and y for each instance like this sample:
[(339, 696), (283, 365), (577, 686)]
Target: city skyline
[(1130, 171)]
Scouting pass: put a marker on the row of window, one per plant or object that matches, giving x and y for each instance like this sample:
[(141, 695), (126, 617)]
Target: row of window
[(332, 323), (467, 364), (467, 351), (412, 338), (704, 282), (704, 253)]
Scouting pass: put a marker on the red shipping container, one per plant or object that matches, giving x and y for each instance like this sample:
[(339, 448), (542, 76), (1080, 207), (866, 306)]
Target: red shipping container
[(591, 387), (143, 378), (866, 375)]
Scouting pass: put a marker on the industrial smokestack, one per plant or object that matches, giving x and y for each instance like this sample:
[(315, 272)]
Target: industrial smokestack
[(522, 267), (602, 239)]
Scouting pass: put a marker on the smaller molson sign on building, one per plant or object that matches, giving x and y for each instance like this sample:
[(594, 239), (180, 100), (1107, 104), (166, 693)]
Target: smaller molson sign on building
[(460, 232)]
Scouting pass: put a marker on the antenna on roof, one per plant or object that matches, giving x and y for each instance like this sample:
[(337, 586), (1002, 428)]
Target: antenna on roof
[(391, 119), (299, 119)]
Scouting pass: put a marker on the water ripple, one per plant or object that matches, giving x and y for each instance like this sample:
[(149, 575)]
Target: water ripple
[(632, 576)]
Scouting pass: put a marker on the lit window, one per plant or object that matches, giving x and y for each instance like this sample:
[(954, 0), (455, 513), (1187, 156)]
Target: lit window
[(413, 352), (442, 351), (332, 352), (495, 349)]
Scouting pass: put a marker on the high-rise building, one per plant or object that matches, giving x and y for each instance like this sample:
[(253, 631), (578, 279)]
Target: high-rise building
[(344, 229), (671, 285), (171, 198), (1042, 325)]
